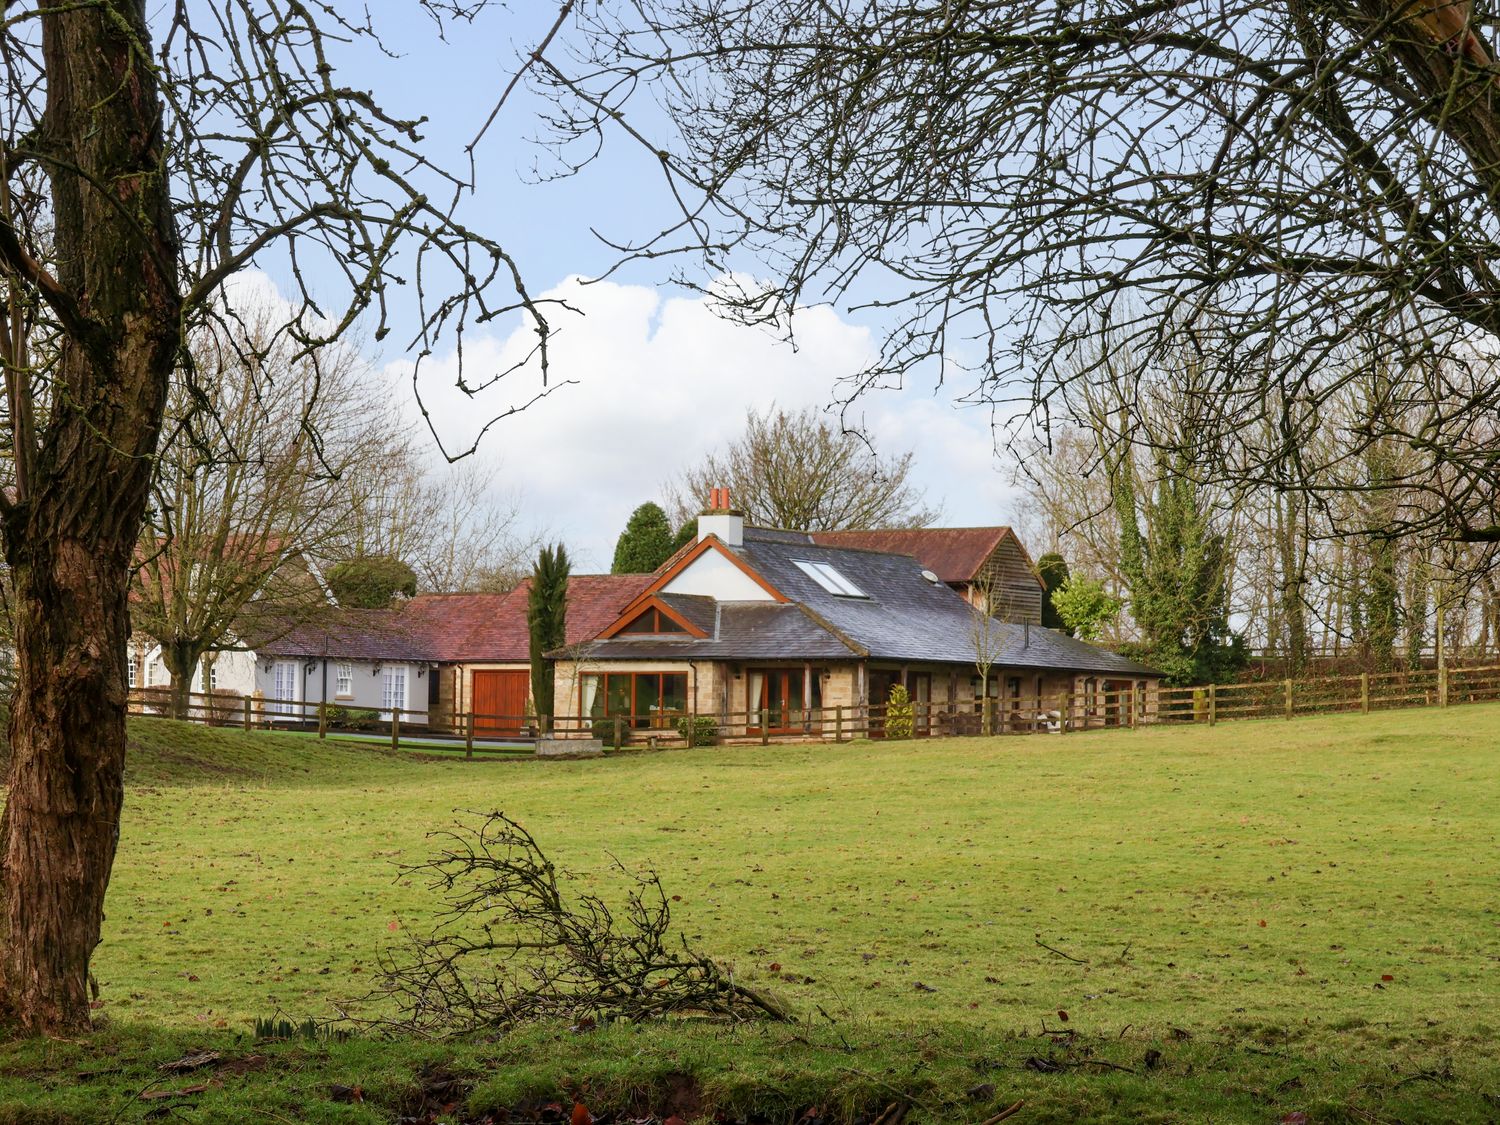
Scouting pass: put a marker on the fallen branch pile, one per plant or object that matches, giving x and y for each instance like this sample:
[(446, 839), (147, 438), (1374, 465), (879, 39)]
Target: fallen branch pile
[(511, 946)]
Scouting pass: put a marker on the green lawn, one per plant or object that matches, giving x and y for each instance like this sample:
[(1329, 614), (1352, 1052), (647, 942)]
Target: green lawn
[(1299, 916)]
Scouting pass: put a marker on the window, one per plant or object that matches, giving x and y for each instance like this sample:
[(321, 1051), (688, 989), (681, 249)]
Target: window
[(653, 620), (642, 699), (213, 677), (393, 689), (130, 672), (284, 684), (830, 579), (344, 680)]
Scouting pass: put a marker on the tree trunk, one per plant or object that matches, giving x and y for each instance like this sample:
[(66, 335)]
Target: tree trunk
[(181, 659), (70, 535)]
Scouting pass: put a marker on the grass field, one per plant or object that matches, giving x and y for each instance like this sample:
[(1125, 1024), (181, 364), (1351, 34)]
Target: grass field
[(1299, 917)]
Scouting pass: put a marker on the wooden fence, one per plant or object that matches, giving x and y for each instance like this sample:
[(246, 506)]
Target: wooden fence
[(1062, 713)]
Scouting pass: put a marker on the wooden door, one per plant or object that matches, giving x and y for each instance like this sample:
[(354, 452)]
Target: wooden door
[(880, 698), (499, 701)]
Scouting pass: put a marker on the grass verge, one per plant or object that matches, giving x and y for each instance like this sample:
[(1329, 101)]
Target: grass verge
[(1312, 904)]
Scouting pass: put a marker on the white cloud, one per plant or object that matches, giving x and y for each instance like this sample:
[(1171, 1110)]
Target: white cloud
[(660, 382)]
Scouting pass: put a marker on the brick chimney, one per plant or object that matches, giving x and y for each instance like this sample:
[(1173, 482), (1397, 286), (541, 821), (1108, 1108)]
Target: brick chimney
[(722, 520)]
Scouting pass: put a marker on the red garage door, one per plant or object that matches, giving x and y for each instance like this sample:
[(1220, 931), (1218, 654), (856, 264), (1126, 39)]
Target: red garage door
[(500, 701)]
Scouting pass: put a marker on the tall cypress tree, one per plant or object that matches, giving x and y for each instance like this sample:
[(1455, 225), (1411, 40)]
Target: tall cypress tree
[(645, 543), (546, 620)]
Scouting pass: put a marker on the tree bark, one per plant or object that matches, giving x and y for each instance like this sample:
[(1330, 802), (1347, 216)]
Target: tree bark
[(69, 537), (181, 658)]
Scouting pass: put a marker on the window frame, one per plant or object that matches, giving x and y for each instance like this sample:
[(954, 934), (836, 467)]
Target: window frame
[(343, 686), (660, 719), (662, 624), (830, 578)]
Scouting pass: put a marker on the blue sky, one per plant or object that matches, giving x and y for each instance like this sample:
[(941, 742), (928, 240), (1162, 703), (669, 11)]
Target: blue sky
[(655, 380)]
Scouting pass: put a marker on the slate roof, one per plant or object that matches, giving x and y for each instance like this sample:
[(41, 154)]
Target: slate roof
[(905, 618), (954, 554), (695, 609), (455, 628)]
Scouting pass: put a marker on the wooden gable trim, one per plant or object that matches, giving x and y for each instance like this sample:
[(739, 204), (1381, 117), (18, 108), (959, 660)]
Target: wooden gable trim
[(651, 602), (702, 547)]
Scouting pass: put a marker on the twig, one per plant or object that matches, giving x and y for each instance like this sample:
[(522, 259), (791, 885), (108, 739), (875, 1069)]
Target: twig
[(904, 1095), (1008, 1111), (1060, 953)]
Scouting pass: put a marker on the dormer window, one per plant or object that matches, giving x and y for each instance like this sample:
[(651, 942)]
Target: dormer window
[(830, 579), (653, 622)]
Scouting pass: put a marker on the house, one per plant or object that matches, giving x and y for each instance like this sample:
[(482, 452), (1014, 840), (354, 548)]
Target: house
[(761, 628), (987, 566), (433, 657), (231, 669)]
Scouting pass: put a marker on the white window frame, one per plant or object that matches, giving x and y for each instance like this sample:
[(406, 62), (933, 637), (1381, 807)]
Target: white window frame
[(131, 674), (288, 672), (389, 675), (343, 680), (830, 578)]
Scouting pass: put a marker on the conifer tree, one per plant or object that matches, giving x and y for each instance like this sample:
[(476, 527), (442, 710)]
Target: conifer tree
[(645, 543), (546, 620), (1053, 570)]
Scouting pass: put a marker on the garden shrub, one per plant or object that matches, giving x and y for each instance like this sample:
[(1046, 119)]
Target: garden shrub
[(701, 730), (900, 715)]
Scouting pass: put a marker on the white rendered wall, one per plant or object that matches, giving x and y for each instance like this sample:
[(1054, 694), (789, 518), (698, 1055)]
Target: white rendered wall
[(713, 575)]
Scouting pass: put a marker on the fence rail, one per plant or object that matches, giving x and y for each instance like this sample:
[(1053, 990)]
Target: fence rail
[(1061, 713)]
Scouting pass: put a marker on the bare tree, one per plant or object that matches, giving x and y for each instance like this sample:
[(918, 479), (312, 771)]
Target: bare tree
[(447, 522), (798, 470), (148, 159), (1296, 192), (249, 491), (988, 637)]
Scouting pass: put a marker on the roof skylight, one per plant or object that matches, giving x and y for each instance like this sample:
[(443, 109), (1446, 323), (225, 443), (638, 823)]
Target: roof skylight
[(830, 579)]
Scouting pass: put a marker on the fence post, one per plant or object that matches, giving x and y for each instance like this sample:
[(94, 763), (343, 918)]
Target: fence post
[(469, 735), (1288, 699), (1067, 715), (247, 712), (838, 723), (1442, 685), (1213, 704), (395, 728), (619, 732), (322, 718), (1364, 692), (1131, 698), (765, 727)]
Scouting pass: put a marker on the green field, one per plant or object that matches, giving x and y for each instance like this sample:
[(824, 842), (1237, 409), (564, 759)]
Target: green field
[(1299, 917)]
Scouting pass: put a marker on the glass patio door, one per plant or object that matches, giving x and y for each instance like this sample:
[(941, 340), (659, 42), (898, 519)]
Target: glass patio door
[(777, 701)]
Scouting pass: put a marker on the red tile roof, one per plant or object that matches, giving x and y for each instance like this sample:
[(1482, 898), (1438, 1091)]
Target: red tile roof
[(456, 628), (954, 554)]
